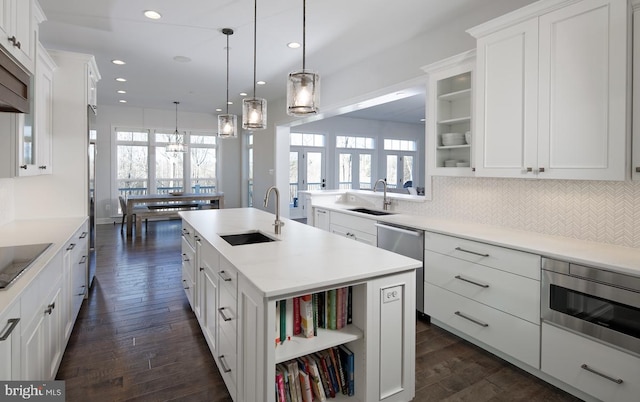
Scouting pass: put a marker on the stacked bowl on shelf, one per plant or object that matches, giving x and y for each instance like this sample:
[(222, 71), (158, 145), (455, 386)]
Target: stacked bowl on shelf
[(449, 139)]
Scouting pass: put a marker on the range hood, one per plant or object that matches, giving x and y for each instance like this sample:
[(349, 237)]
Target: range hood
[(14, 86)]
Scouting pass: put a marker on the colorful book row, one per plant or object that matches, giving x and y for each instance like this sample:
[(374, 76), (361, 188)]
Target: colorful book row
[(302, 316), (316, 377)]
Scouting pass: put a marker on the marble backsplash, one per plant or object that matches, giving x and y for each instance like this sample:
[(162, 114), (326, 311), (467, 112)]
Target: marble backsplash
[(601, 211)]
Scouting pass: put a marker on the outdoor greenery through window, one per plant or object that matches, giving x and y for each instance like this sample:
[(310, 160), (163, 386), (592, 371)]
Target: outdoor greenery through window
[(145, 167), (355, 158), (401, 156), (306, 164)]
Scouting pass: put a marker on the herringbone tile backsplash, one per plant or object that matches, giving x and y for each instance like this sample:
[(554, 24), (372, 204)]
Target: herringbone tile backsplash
[(601, 211)]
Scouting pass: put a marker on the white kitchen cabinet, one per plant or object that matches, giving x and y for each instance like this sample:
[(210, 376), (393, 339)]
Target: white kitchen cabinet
[(599, 370), (75, 273), (188, 260), (321, 218), (488, 294), (450, 110), (360, 229), (207, 285), (19, 21), (32, 142), (635, 166), (10, 348), (228, 317), (552, 92)]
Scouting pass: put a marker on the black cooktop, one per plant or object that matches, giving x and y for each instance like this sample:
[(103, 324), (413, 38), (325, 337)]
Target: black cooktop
[(14, 260)]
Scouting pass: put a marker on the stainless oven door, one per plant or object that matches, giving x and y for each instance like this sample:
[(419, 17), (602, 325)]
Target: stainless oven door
[(607, 313)]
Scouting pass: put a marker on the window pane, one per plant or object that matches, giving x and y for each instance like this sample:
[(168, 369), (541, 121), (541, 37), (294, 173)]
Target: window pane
[(203, 169), (354, 142), (202, 139), (344, 171), (407, 170), (132, 173), (131, 136), (169, 168), (314, 170), (392, 171), (295, 139), (365, 171), (293, 168)]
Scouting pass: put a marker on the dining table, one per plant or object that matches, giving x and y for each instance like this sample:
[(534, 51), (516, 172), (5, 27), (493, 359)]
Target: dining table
[(168, 202)]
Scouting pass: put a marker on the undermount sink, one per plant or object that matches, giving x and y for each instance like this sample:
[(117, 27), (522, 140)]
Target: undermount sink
[(250, 237), (14, 260), (370, 211)]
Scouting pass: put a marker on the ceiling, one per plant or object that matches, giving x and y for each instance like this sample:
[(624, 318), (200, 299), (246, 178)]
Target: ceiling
[(338, 34)]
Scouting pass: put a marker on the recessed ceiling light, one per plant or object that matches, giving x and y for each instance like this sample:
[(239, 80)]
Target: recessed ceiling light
[(120, 79), (122, 101), (229, 103), (152, 15), (182, 59), (118, 62), (293, 45), (261, 82), (243, 94), (122, 91), (423, 120), (218, 110)]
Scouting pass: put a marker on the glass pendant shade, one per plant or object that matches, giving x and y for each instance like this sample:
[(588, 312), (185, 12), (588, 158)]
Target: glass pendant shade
[(303, 93), (176, 143), (227, 125), (254, 114)]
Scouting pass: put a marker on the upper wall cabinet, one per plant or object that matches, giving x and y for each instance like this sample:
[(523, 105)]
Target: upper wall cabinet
[(449, 111), (636, 92), (552, 98), (19, 21)]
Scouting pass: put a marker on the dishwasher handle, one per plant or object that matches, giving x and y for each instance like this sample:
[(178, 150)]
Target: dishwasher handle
[(415, 233)]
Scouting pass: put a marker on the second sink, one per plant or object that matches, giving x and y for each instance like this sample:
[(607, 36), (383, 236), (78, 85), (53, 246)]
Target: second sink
[(250, 237), (370, 211)]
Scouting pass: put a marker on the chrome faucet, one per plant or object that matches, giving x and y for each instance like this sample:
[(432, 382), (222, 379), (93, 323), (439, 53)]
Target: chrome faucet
[(385, 202), (278, 223)]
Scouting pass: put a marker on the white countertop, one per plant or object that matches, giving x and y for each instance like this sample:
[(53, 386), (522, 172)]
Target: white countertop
[(303, 258), (600, 255), (55, 231)]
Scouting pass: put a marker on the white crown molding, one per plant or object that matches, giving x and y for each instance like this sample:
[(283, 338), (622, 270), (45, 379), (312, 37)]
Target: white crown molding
[(460, 58)]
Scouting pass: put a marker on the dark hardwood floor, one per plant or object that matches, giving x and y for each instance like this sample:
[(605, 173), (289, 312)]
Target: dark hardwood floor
[(136, 338)]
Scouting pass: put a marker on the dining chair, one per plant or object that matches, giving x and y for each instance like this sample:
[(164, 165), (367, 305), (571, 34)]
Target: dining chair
[(123, 207)]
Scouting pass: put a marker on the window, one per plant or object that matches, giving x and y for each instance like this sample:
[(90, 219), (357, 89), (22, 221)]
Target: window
[(306, 164), (144, 166), (355, 158), (400, 162)]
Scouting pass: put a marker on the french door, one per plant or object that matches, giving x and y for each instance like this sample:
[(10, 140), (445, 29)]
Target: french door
[(307, 171)]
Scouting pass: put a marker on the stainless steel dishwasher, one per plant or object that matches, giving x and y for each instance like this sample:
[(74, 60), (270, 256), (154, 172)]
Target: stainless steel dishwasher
[(410, 243)]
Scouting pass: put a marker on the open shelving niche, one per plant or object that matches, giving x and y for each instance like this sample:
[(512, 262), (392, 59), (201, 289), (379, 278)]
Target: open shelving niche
[(453, 115), (351, 335)]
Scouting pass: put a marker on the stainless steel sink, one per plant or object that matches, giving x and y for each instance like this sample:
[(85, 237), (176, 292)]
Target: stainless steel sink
[(14, 260), (251, 237), (370, 211)]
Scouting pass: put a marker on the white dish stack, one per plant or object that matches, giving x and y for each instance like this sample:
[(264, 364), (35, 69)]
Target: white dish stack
[(449, 139)]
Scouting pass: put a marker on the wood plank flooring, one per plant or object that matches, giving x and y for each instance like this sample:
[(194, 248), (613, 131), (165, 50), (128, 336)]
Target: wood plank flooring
[(136, 338)]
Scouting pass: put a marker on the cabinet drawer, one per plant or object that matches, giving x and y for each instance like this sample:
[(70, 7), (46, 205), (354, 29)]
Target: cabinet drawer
[(356, 235), (506, 259), (228, 276), (227, 362), (227, 313), (515, 337), (188, 258), (353, 222), (188, 234), (564, 354), (187, 285), (514, 294)]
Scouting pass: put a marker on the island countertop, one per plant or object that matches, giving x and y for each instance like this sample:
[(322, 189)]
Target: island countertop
[(301, 259)]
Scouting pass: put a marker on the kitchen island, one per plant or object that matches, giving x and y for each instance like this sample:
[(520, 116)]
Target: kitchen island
[(233, 291)]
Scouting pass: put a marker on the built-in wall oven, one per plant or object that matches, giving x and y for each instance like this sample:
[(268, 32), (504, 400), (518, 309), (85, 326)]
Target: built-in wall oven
[(602, 304)]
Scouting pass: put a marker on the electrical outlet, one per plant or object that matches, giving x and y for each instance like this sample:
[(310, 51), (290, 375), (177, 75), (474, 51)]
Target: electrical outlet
[(391, 294), (352, 198)]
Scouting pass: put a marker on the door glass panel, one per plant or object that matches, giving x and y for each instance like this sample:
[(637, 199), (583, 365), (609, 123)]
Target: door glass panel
[(365, 171), (293, 176), (314, 170), (345, 171), (392, 171), (407, 169)]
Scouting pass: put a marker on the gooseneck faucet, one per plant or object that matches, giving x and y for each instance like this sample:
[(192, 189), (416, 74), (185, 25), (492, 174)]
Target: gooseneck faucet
[(385, 201), (278, 223)]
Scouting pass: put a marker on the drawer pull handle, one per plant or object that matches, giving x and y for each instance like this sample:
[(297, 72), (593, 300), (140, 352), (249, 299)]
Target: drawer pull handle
[(589, 369), (13, 322), (224, 277), (201, 269), (224, 364), (224, 316), (184, 257), (482, 285), (71, 246), (83, 235), (637, 169), (471, 252), (83, 260), (473, 320), (185, 231)]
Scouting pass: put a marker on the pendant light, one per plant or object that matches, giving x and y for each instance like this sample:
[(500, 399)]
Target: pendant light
[(227, 123), (177, 142), (254, 110), (303, 86)]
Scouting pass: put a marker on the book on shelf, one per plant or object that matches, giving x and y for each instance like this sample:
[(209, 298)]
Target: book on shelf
[(306, 316), (331, 307), (347, 359), (295, 379), (349, 305), (314, 300), (297, 329), (281, 368), (324, 375), (316, 382), (283, 321), (305, 381), (280, 387), (333, 374), (321, 310), (335, 357)]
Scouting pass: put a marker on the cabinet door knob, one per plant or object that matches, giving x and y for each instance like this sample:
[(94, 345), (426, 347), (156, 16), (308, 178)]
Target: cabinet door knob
[(541, 170), (23, 167), (43, 167), (15, 42), (637, 169), (529, 170)]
